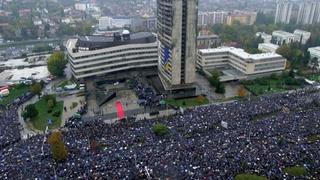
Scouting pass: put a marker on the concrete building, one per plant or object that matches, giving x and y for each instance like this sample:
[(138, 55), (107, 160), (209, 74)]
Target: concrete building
[(211, 18), (315, 52), (243, 17), (91, 56), (177, 34), (282, 37), (268, 47), (107, 22), (309, 12), (283, 12), (208, 41), (266, 37), (302, 36), (139, 24), (247, 64)]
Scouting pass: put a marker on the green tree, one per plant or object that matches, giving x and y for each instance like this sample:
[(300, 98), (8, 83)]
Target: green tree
[(314, 63), (220, 88), (57, 63), (36, 89), (160, 129), (50, 104), (30, 112), (58, 149)]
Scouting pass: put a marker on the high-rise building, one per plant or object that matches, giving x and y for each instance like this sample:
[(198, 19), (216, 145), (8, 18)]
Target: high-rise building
[(177, 37), (211, 18), (283, 13), (309, 12)]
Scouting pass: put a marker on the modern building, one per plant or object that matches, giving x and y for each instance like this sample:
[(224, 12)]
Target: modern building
[(91, 56), (266, 37), (283, 37), (247, 64), (211, 18), (283, 12), (268, 47), (177, 36), (208, 41), (309, 12), (302, 36)]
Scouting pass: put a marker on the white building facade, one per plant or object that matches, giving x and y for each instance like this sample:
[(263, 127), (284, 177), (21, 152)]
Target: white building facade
[(309, 12), (283, 12), (248, 64), (124, 54), (268, 47)]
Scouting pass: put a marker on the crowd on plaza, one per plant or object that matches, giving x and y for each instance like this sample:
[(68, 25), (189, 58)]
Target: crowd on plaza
[(146, 94), (9, 123), (263, 136)]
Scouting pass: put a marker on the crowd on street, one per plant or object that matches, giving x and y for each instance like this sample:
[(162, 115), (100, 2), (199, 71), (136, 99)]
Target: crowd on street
[(263, 136), (9, 123)]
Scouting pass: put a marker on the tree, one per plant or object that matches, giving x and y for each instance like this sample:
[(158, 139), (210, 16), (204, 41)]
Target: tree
[(36, 89), (242, 92), (314, 63), (58, 149), (160, 129), (200, 99), (50, 104), (57, 63), (30, 112), (220, 88)]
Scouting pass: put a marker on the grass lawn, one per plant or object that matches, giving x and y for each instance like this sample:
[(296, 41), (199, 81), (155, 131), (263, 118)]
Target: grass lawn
[(296, 171), (313, 138), (65, 83), (249, 177), (268, 85), (188, 102), (14, 93), (40, 122)]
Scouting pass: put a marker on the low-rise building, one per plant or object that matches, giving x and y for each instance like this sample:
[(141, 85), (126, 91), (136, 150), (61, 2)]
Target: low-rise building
[(91, 56), (247, 64), (283, 37), (268, 47), (302, 36), (266, 37), (315, 52), (243, 17), (208, 41)]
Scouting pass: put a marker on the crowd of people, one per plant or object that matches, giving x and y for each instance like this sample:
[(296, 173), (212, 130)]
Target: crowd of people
[(263, 136), (146, 94), (9, 123)]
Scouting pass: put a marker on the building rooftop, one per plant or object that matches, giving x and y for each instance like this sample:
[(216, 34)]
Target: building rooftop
[(208, 36), (315, 48), (301, 31), (240, 52), (99, 41), (274, 46), (282, 33)]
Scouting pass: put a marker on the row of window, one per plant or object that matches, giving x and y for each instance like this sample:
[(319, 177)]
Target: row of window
[(126, 60), (115, 51)]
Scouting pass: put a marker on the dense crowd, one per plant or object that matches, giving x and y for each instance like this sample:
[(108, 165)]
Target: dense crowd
[(146, 94), (264, 135), (9, 122)]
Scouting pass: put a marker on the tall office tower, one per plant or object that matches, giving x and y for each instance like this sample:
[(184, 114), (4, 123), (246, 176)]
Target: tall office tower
[(177, 34), (284, 10), (309, 12)]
